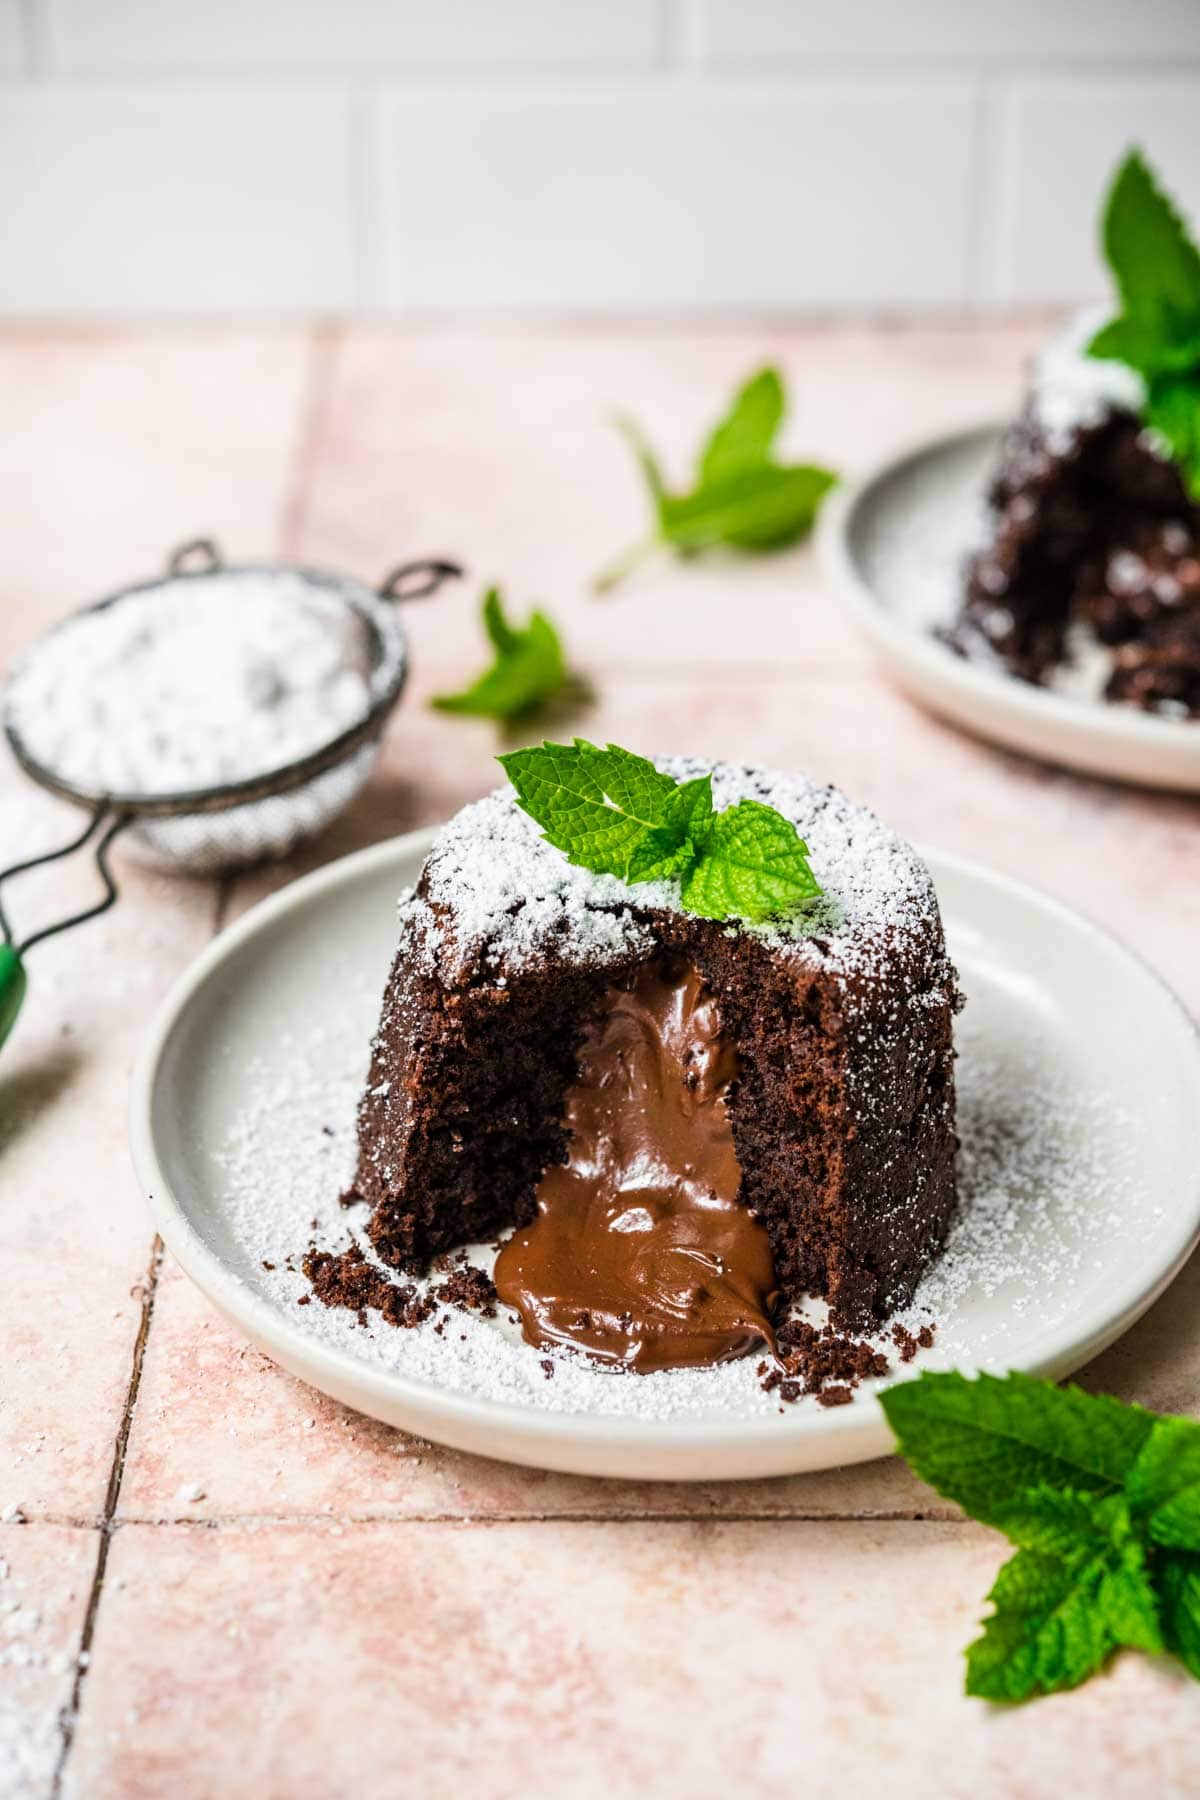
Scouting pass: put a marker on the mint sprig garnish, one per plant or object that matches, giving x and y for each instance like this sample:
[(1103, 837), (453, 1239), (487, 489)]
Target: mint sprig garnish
[(527, 670), (1156, 266), (617, 814), (741, 497), (1103, 1502)]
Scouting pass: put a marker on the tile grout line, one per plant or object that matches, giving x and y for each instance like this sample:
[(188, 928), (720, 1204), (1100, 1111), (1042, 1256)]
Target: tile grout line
[(345, 1522), (69, 1717)]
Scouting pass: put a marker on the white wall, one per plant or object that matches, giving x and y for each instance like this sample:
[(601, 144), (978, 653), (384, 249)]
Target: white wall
[(162, 156)]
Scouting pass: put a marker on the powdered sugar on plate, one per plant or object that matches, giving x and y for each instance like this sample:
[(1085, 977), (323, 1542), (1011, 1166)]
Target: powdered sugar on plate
[(1042, 1195)]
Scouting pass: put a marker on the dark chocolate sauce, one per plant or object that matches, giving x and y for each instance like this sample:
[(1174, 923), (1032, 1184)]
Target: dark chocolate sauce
[(641, 1253)]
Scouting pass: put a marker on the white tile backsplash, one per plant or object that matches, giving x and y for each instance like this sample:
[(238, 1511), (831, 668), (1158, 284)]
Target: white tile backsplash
[(269, 36), (12, 37), (1059, 143), (116, 199), (841, 194), (171, 156), (1015, 30)]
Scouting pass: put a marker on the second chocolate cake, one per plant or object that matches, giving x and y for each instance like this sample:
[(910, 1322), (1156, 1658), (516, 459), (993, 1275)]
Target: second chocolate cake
[(736, 1115), (1091, 564)]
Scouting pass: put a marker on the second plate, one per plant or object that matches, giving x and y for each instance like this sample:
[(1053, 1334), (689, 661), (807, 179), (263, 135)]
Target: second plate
[(894, 546)]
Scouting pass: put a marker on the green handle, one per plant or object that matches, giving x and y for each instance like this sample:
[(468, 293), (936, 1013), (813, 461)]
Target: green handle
[(12, 988)]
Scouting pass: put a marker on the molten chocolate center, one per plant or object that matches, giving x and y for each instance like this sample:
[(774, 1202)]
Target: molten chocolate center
[(641, 1253)]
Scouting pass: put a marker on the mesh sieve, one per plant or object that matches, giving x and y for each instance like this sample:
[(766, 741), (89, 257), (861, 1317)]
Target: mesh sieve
[(203, 830)]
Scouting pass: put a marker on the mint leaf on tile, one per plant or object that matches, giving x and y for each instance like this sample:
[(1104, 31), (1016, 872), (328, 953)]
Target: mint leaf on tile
[(743, 438), (983, 1442), (741, 499), (1178, 1583), (1164, 1484), (528, 667), (761, 508), (1057, 1619)]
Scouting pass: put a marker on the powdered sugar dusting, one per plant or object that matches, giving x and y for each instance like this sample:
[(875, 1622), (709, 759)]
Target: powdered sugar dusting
[(192, 683), (510, 893), (1045, 1186), (33, 1664), (1070, 390)]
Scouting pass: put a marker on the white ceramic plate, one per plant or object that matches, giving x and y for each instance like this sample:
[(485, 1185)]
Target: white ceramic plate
[(1080, 1095), (894, 546)]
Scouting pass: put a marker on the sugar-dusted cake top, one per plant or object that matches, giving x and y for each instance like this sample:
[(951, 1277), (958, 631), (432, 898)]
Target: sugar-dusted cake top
[(1070, 391), (493, 883)]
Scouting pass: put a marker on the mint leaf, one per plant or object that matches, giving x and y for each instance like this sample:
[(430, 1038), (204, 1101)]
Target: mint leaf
[(1103, 1500), (670, 849), (1128, 1601), (1156, 265), (1139, 344), (981, 1443), (741, 499), (596, 806), (1164, 1484), (616, 813), (1057, 1618), (1045, 1632), (1055, 1521), (528, 668), (1173, 413), (751, 863), (647, 461), (752, 509), (1178, 1582), (1157, 270), (743, 438)]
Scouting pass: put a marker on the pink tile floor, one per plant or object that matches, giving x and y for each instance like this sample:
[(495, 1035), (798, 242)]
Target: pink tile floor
[(346, 1610)]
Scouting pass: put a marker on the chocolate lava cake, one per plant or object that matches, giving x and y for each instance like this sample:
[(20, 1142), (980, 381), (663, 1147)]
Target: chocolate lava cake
[(513, 965), (1089, 578)]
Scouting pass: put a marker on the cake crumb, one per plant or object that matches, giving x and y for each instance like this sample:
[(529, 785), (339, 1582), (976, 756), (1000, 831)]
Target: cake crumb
[(349, 1280), (470, 1289), (822, 1362), (908, 1343)]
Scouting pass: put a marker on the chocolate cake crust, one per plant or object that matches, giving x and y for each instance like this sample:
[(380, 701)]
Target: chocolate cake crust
[(1092, 541), (843, 1111)]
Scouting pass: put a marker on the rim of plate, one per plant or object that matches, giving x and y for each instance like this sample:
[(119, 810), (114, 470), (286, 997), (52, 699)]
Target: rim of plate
[(1056, 1352), (1019, 699)]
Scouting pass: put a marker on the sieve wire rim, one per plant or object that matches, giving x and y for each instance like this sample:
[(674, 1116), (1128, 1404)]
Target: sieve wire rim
[(389, 659)]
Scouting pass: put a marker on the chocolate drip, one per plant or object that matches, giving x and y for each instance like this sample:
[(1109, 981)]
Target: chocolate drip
[(641, 1253)]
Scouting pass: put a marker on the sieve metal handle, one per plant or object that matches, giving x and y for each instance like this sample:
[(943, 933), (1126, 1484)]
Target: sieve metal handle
[(414, 580), (13, 977), (199, 556)]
